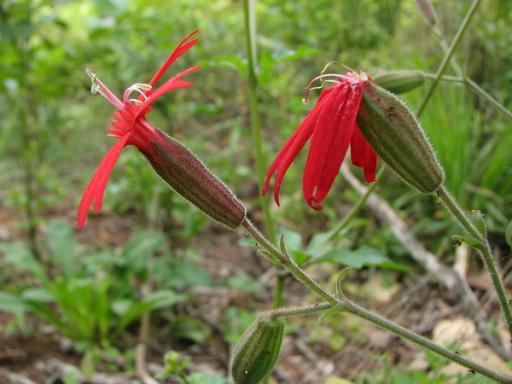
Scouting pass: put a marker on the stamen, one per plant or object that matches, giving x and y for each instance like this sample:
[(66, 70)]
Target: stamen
[(97, 86), (309, 87), (141, 89), (94, 80)]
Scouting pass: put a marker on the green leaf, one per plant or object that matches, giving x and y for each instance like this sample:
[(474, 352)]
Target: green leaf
[(205, 378), (228, 61), (12, 303), (333, 311), (508, 234), (18, 255), (130, 311), (244, 283), (62, 247), (358, 258), (190, 328), (39, 295)]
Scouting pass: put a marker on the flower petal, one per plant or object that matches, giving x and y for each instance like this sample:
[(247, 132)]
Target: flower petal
[(96, 187), (182, 47), (363, 155), (330, 141), (292, 147)]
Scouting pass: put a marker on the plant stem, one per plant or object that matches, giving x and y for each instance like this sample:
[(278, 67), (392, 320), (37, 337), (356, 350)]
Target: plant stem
[(476, 89), (424, 342), (300, 311), (484, 248), (286, 262), (250, 41), (357, 207), (372, 317), (449, 54)]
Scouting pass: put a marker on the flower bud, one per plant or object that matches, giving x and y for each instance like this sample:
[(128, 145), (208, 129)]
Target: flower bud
[(257, 351), (400, 81), (396, 136), (428, 11), (184, 172)]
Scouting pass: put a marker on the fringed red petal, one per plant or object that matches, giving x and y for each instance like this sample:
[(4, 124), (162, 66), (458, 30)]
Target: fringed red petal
[(182, 48), (96, 187), (292, 147)]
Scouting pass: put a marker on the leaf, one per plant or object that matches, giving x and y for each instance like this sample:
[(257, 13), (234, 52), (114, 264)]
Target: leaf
[(163, 299), (190, 328), (39, 295), (205, 378), (12, 303), (334, 310), (228, 61), (244, 283), (508, 234), (62, 247), (359, 258), (319, 244), (132, 311), (293, 245), (18, 255)]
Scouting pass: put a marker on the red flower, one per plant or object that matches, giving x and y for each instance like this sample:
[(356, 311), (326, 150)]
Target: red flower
[(130, 125), (331, 126)]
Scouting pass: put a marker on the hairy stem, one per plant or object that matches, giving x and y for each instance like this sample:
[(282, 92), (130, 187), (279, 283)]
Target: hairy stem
[(250, 40), (372, 317), (300, 311), (483, 247)]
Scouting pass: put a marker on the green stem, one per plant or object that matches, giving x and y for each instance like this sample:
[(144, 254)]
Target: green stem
[(424, 342), (300, 311), (286, 262), (250, 41), (449, 54), (361, 312), (476, 89), (485, 251), (357, 207)]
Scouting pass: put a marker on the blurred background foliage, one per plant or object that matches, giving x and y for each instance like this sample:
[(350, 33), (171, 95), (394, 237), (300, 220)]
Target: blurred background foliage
[(53, 134)]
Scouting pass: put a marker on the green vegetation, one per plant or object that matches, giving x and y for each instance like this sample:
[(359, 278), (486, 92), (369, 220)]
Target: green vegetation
[(151, 270)]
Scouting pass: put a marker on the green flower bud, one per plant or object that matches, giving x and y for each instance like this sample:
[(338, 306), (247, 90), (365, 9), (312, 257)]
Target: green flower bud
[(257, 351), (400, 81), (398, 139)]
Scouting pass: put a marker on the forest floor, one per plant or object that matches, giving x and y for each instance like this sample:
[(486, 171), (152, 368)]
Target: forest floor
[(315, 350)]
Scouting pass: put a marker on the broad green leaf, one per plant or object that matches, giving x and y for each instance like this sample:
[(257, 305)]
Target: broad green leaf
[(12, 303), (359, 258), (62, 247)]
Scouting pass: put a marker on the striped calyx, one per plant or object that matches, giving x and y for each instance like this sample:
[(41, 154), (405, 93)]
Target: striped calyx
[(398, 139), (257, 351), (188, 176)]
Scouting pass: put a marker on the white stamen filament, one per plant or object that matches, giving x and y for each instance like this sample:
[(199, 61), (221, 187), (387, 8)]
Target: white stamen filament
[(140, 88)]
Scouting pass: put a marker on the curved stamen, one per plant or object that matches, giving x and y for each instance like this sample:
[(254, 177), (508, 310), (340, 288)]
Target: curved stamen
[(141, 89), (352, 77), (310, 87)]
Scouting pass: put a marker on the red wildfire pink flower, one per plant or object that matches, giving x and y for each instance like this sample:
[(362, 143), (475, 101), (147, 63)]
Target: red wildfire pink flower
[(331, 126), (130, 125)]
